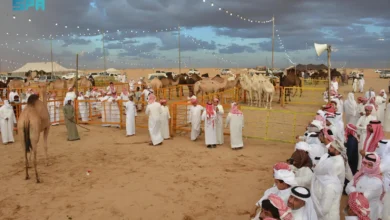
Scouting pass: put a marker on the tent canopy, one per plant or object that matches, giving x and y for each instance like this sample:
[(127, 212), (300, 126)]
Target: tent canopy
[(44, 66)]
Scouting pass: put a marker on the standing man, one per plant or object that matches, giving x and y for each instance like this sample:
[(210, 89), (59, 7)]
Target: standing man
[(195, 119), (219, 121), (370, 93), (131, 113), (73, 134), (361, 84), (12, 95), (362, 128), (380, 101), (7, 123), (111, 88), (83, 108), (236, 120), (373, 136), (189, 98), (70, 94), (209, 118), (165, 119), (153, 110), (335, 84)]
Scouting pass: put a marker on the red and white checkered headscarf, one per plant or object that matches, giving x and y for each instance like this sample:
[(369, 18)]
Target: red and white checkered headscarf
[(350, 129), (281, 166), (359, 205), (284, 210)]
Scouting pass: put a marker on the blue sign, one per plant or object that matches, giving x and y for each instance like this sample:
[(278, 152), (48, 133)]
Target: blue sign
[(24, 5)]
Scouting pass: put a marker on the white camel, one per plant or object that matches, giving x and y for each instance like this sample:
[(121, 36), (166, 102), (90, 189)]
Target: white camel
[(268, 91), (246, 85), (257, 87)]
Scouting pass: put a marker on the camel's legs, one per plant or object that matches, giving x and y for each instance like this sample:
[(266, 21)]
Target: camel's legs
[(34, 144), (45, 136), (27, 176)]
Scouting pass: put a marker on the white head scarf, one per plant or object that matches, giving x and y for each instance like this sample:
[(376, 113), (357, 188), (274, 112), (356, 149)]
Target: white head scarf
[(318, 124), (67, 99), (304, 194), (302, 146), (7, 110), (287, 176)]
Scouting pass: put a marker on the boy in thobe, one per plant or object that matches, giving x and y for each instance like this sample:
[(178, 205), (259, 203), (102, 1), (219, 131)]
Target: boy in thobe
[(210, 129), (380, 101), (165, 118), (131, 113), (236, 120), (362, 128), (83, 108), (195, 119), (54, 110), (153, 110), (219, 121), (7, 123)]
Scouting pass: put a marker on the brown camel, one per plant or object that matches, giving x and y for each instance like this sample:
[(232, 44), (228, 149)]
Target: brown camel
[(33, 120), (208, 86), (218, 78), (16, 84), (289, 80)]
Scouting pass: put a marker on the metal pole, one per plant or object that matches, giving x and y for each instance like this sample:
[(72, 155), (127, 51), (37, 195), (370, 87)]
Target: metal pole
[(77, 73), (179, 52), (273, 40), (104, 52), (51, 55), (329, 80)]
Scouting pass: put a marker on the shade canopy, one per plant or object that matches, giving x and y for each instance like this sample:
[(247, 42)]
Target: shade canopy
[(44, 66)]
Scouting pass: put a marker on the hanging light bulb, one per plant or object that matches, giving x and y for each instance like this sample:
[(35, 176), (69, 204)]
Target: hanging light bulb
[(14, 17), (29, 20)]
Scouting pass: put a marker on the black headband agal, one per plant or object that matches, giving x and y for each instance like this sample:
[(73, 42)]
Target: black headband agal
[(369, 158), (295, 192), (375, 122), (383, 142), (330, 132)]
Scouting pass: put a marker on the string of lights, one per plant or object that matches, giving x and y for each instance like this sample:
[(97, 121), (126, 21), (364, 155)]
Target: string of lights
[(283, 48), (232, 14)]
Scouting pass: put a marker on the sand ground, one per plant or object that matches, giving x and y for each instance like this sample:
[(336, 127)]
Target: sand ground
[(131, 180)]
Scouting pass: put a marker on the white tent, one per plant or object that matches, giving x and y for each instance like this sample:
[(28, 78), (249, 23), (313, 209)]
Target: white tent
[(112, 70), (44, 66)]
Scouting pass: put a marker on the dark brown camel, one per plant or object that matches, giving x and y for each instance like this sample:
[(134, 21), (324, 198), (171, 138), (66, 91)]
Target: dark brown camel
[(290, 80)]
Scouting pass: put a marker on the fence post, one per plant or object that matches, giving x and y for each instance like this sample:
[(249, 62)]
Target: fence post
[(282, 91), (120, 105), (266, 125), (174, 118), (294, 127), (76, 110)]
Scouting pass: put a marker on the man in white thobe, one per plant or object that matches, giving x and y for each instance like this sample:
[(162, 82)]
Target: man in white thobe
[(383, 151), (153, 110), (327, 183), (7, 122), (362, 128), (335, 85), (83, 109), (350, 109), (195, 119), (301, 204), (165, 119), (115, 112), (236, 120), (355, 85), (131, 85), (131, 113), (219, 121), (301, 164), (189, 98), (369, 182), (54, 110), (210, 126), (12, 95), (361, 84), (380, 101), (105, 109), (370, 93)]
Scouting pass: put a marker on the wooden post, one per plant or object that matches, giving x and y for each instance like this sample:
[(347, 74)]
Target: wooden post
[(329, 75), (77, 74)]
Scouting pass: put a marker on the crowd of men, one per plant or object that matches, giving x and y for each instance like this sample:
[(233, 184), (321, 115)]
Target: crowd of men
[(332, 159)]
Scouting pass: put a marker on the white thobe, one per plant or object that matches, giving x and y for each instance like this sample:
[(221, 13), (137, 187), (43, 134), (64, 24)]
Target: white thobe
[(351, 112), (372, 189), (352, 218), (386, 119), (124, 98), (298, 214), (7, 126), (189, 107), (210, 128), (361, 110), (355, 85), (326, 188), (131, 85), (115, 112), (369, 94), (386, 203), (219, 124), (83, 109), (54, 111), (362, 131), (236, 122), (105, 110), (154, 112), (131, 112), (381, 102), (335, 85), (165, 116), (361, 85), (195, 119), (146, 94), (317, 151), (303, 176)]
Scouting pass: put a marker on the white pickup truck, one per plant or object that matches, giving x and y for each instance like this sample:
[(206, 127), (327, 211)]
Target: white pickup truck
[(193, 71)]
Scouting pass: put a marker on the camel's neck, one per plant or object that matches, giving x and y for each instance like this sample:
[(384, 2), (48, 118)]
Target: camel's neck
[(44, 95)]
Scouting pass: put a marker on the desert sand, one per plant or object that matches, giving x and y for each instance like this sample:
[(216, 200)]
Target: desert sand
[(132, 180)]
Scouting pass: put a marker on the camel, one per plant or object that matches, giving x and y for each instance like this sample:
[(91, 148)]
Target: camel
[(218, 78), (289, 80), (185, 80), (208, 86), (156, 85), (246, 86), (33, 120), (268, 92), (16, 84), (257, 87)]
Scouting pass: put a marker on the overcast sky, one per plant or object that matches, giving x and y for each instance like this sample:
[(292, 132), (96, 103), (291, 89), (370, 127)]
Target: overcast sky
[(358, 30)]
